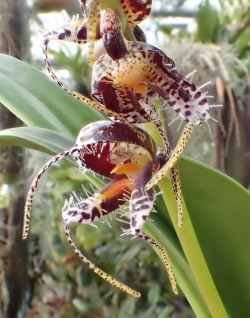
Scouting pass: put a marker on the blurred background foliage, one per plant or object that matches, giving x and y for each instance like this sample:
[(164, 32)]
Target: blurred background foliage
[(212, 38)]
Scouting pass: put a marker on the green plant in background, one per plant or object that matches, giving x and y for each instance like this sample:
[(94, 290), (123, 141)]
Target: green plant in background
[(207, 22)]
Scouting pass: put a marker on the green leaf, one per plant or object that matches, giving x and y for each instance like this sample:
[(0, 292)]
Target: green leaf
[(219, 211), (207, 22), (130, 254), (167, 312), (38, 101), (154, 294), (127, 309), (41, 139)]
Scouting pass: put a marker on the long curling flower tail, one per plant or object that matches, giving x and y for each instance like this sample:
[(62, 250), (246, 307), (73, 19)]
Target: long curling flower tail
[(176, 185), (169, 268), (96, 269), (187, 131), (92, 24), (33, 187)]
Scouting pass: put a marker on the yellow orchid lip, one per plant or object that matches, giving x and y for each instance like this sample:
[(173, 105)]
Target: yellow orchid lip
[(127, 168)]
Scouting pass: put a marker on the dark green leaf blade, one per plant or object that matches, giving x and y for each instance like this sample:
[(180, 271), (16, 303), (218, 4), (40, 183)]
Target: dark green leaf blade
[(220, 213)]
